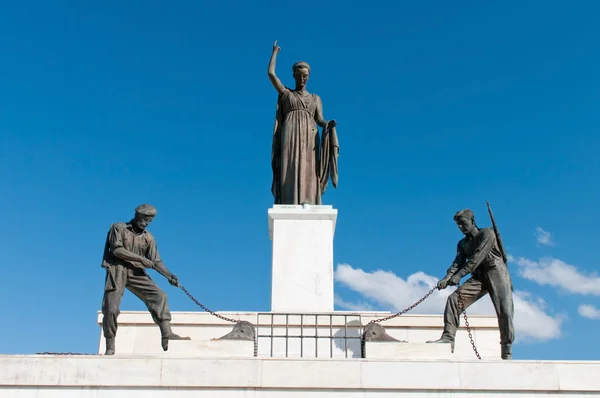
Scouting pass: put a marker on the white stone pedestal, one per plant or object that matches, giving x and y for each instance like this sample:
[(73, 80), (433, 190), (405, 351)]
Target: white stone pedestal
[(294, 336), (302, 270)]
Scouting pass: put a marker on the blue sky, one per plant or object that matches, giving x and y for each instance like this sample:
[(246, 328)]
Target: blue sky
[(440, 106)]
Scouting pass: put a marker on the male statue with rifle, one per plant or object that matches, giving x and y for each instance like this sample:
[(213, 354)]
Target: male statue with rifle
[(128, 251), (481, 254)]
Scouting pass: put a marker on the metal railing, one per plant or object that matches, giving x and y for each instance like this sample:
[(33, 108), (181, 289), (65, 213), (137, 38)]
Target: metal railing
[(309, 335)]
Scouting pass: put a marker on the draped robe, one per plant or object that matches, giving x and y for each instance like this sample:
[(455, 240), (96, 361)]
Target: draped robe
[(302, 164)]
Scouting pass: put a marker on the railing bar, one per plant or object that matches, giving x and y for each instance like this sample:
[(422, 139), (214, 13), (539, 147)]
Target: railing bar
[(272, 317), (331, 335), (257, 333), (287, 322), (301, 335), (316, 335), (305, 337), (346, 336)]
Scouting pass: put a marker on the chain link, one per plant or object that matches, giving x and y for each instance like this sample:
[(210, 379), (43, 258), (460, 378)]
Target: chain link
[(460, 303), (463, 310), (63, 353), (406, 310), (362, 340), (199, 304)]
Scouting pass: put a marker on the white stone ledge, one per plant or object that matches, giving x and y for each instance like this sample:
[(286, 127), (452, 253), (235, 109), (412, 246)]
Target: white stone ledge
[(416, 351), (201, 349), (298, 212), (153, 372), (204, 318)]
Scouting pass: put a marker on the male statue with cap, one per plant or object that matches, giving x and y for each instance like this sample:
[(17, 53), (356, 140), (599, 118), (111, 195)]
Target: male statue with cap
[(128, 251), (480, 255)]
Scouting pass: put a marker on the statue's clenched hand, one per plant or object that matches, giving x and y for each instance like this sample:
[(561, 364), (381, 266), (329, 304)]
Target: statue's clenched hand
[(455, 280), (443, 283), (173, 280)]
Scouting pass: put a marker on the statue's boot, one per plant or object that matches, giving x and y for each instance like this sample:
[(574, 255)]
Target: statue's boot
[(167, 334), (444, 339), (110, 346), (506, 351)]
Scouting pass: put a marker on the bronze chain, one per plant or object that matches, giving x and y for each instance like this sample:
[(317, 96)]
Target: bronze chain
[(62, 353), (429, 293), (461, 305), (406, 310), (218, 316), (199, 304)]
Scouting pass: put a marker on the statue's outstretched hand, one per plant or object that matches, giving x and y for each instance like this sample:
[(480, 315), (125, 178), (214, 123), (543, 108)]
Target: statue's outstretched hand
[(276, 48)]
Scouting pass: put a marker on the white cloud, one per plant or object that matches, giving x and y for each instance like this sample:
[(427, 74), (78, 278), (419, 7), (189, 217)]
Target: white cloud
[(556, 273), (359, 306), (532, 321), (543, 237), (589, 311), (389, 291)]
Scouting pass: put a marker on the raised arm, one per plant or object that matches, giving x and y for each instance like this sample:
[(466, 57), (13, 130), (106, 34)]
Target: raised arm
[(321, 122), (272, 76)]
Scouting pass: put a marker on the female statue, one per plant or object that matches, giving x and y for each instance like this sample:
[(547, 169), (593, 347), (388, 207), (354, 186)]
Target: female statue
[(302, 164)]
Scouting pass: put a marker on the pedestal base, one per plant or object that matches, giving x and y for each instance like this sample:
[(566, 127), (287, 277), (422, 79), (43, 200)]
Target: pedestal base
[(141, 377), (322, 336), (302, 269)]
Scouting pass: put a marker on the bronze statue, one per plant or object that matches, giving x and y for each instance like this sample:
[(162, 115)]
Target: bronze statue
[(301, 164), (479, 253), (128, 251)]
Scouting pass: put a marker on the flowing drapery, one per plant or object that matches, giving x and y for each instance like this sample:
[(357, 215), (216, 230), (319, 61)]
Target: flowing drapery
[(301, 163)]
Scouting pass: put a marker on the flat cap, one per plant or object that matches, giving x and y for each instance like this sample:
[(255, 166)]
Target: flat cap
[(146, 210), (468, 213)]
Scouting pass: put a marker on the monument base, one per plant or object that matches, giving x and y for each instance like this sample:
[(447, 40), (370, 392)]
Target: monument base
[(316, 335), (299, 355), (32, 376)]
